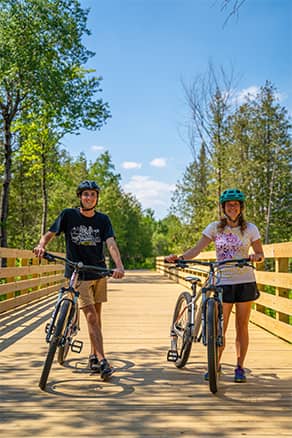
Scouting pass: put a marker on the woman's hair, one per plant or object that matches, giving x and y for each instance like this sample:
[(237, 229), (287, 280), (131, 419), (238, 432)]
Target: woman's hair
[(241, 221)]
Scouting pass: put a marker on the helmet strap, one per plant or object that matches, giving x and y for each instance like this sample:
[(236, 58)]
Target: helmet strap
[(87, 209), (232, 220)]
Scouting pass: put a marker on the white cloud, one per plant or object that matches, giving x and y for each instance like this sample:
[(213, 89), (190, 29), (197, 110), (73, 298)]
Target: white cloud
[(158, 162), (97, 148), (151, 193), (131, 165), (251, 91)]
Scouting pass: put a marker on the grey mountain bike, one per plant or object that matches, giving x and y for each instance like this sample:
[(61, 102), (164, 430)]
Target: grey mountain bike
[(199, 316), (64, 322)]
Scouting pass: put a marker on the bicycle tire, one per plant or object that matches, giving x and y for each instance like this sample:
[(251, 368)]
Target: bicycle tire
[(60, 324), (212, 348), (183, 325), (63, 350)]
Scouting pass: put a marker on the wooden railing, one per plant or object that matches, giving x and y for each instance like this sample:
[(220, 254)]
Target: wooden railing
[(24, 278), (273, 310)]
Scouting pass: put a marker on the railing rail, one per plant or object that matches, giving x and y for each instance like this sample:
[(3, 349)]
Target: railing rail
[(273, 310), (24, 278)]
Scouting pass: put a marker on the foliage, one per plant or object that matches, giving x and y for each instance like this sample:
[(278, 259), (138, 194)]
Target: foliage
[(45, 90), (252, 150)]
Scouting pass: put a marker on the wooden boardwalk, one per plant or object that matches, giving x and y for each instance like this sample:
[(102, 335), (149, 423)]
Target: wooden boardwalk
[(147, 396)]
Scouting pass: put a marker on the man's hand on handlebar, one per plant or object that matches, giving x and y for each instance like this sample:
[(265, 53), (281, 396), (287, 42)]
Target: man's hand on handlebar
[(118, 273), (39, 251)]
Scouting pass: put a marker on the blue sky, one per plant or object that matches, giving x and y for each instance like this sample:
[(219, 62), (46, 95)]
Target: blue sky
[(144, 49)]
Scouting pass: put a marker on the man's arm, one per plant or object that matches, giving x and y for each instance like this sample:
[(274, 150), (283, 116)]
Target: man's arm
[(45, 239), (115, 254)]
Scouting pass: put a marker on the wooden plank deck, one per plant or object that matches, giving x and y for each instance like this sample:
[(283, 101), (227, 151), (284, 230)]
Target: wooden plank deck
[(147, 396)]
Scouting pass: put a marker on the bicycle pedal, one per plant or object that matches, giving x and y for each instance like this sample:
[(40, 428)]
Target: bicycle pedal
[(172, 356), (47, 328), (76, 346)]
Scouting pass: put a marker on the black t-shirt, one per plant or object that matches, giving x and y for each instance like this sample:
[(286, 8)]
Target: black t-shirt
[(84, 237)]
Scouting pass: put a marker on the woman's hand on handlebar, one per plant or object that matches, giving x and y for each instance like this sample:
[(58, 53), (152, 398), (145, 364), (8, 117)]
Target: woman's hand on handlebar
[(171, 258), (257, 258)]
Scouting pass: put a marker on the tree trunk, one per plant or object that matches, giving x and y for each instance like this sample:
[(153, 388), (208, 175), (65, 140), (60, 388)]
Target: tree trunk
[(44, 195), (6, 182), (268, 220)]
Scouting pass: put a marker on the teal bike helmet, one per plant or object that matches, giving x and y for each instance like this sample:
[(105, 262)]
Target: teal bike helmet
[(232, 195)]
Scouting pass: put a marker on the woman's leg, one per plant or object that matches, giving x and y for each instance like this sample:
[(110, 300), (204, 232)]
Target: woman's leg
[(242, 337), (227, 307)]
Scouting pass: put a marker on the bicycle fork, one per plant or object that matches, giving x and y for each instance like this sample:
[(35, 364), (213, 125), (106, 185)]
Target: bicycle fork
[(50, 326), (217, 297)]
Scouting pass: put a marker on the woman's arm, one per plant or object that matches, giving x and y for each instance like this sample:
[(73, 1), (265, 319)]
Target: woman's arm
[(258, 255), (192, 252)]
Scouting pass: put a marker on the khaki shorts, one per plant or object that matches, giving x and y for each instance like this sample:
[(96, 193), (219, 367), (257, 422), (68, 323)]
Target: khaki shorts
[(92, 291)]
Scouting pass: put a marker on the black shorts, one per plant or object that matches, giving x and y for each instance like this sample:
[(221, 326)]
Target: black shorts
[(240, 293)]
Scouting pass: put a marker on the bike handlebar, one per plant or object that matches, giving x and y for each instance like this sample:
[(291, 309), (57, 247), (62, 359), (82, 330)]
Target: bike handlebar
[(79, 266), (181, 263)]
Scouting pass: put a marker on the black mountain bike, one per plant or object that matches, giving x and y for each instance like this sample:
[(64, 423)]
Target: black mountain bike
[(64, 322), (199, 316)]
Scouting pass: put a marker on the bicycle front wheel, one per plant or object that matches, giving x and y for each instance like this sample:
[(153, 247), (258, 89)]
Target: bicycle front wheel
[(212, 345), (58, 333), (63, 350), (182, 327)]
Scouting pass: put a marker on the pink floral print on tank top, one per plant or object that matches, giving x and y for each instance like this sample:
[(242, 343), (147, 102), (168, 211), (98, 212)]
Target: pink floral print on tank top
[(227, 245)]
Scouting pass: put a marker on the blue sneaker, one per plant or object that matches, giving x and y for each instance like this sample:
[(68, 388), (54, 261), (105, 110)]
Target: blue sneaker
[(206, 375), (239, 375)]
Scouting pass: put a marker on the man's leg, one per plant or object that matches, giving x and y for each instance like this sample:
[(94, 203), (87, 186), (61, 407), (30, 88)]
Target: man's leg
[(93, 317)]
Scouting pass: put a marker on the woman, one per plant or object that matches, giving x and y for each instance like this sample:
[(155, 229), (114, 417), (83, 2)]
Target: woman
[(233, 237)]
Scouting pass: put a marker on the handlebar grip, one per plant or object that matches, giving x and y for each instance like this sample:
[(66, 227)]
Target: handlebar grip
[(49, 257)]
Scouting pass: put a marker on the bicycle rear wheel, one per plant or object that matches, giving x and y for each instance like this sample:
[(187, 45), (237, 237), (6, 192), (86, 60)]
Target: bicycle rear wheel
[(212, 347), (58, 333), (182, 328)]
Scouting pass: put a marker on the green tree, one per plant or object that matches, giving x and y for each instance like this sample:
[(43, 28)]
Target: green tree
[(261, 138), (41, 66), (210, 102), (194, 200)]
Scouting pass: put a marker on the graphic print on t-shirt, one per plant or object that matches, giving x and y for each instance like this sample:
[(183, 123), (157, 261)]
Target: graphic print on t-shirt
[(227, 245), (83, 235)]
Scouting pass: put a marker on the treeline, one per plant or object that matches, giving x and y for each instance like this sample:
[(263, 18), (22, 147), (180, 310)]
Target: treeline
[(45, 93), (246, 146)]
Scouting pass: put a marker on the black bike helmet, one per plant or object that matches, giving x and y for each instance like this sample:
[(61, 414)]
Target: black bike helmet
[(87, 185), (232, 195)]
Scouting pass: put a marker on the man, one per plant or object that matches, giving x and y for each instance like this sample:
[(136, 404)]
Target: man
[(85, 231)]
